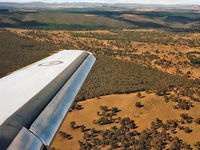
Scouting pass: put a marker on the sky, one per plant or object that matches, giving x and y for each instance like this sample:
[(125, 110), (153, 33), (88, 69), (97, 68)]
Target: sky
[(165, 2)]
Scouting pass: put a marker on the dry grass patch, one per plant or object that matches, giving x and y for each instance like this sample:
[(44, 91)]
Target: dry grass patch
[(154, 107)]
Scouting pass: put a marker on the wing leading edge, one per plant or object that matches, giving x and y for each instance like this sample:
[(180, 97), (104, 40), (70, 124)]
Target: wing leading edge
[(46, 89)]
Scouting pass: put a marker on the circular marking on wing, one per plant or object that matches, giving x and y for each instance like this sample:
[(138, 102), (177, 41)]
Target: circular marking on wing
[(51, 63)]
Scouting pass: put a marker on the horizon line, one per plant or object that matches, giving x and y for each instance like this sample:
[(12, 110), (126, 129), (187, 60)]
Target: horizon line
[(100, 3)]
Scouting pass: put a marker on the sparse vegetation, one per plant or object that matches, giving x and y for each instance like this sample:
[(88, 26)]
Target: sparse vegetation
[(194, 57), (125, 136), (155, 64)]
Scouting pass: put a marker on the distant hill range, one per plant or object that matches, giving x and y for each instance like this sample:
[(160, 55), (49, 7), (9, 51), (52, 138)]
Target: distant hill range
[(114, 6)]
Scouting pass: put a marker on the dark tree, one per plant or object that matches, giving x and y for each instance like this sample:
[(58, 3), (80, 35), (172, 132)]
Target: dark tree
[(139, 94), (187, 130), (72, 125), (197, 121), (138, 104)]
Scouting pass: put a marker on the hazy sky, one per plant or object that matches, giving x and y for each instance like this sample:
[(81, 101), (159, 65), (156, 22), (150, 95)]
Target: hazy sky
[(117, 1)]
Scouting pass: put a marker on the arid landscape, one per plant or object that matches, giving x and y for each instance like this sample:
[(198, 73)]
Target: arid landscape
[(144, 89)]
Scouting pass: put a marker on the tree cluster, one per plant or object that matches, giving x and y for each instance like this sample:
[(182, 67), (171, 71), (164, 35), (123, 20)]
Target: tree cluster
[(65, 135), (106, 116), (124, 135)]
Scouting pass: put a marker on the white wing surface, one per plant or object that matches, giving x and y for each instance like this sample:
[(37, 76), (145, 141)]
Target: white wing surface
[(35, 99)]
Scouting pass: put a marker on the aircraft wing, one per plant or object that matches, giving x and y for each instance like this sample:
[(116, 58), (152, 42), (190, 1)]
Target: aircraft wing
[(35, 99)]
